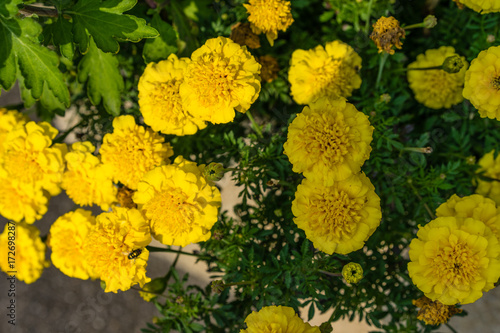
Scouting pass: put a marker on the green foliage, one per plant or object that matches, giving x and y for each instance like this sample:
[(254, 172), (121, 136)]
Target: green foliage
[(100, 71)]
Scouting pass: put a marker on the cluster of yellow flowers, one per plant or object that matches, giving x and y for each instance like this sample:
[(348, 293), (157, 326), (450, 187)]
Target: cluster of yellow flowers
[(173, 202), (336, 205), (178, 96), (456, 257)]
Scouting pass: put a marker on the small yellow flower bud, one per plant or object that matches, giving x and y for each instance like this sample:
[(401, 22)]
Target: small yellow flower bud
[(490, 38), (453, 64), (214, 172), (152, 289), (352, 272), (470, 160), (430, 21)]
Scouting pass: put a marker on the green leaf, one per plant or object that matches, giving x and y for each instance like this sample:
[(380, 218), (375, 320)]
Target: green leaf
[(105, 22), (161, 47), (310, 313), (59, 34), (49, 104), (183, 27), (8, 8), (37, 64), (104, 82)]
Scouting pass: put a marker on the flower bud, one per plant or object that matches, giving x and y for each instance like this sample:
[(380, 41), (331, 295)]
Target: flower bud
[(218, 286), (214, 172), (453, 64), (153, 289), (430, 21), (352, 272)]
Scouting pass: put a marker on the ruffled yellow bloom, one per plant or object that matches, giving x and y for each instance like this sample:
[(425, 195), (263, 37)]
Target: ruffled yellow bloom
[(116, 236), (482, 83), (132, 150), (29, 252), (20, 201), (67, 235), (329, 141), (475, 206), (331, 72), (490, 167), (481, 6), (179, 203), (434, 312), (30, 158), (269, 16), (87, 181), (9, 119), (222, 77), (338, 218), (436, 88), (281, 319), (387, 34), (159, 99), (454, 260)]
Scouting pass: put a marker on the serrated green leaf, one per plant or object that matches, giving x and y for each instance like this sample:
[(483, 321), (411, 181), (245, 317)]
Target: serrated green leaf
[(49, 104), (104, 82), (37, 64), (105, 22), (8, 8), (161, 47), (59, 34)]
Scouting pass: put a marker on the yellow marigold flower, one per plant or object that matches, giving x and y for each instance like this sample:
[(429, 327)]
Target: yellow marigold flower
[(29, 252), (475, 206), (67, 235), (339, 218), (9, 119), (454, 260), (179, 203), (242, 34), (329, 141), (159, 99), (20, 201), (386, 34), (281, 319), (221, 78), (436, 88), (490, 167), (330, 71), (480, 6), (482, 83), (30, 158), (132, 150), (114, 249), (352, 272), (270, 68), (434, 312), (87, 181), (269, 16)]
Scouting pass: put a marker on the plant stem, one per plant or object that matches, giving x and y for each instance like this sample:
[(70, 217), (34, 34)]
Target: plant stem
[(63, 136), (431, 214), (418, 69), (238, 283), (160, 249), (413, 26), (383, 59), (451, 328), (29, 10), (367, 25), (328, 273), (254, 124)]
